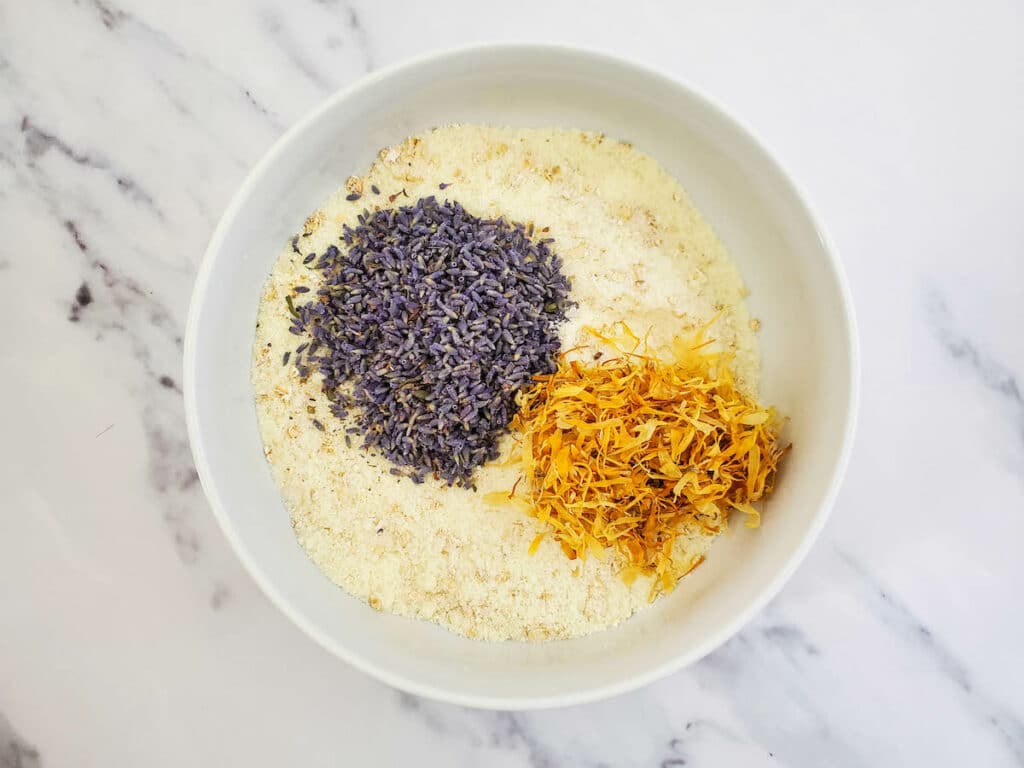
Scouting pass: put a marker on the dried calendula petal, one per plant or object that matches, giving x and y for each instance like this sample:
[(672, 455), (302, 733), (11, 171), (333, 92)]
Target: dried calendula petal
[(627, 453)]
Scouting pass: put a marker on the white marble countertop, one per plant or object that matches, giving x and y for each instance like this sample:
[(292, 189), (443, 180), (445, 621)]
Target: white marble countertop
[(129, 633)]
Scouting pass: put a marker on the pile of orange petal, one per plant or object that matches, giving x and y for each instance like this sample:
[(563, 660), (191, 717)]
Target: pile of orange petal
[(631, 452)]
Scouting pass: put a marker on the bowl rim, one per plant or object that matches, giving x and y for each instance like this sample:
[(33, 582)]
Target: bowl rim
[(767, 592)]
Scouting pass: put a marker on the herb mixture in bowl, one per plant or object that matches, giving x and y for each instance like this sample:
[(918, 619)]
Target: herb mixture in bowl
[(507, 382)]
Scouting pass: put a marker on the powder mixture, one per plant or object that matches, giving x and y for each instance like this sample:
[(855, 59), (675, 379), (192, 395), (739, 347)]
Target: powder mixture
[(633, 248)]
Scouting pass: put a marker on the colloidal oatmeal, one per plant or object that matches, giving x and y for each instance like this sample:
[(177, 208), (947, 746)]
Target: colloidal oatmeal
[(635, 250)]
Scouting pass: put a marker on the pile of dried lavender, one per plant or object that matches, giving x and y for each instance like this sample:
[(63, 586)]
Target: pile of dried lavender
[(437, 318)]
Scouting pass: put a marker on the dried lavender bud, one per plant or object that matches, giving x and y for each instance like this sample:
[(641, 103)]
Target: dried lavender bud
[(437, 318), (353, 197)]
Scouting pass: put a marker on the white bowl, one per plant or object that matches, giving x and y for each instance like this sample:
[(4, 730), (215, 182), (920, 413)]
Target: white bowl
[(808, 346)]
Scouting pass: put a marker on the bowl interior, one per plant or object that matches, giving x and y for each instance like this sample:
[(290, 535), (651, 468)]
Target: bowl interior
[(806, 341)]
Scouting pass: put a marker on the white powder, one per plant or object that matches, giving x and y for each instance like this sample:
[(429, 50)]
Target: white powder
[(634, 248)]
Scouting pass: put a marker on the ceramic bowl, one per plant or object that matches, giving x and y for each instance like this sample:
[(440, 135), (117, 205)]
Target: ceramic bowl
[(798, 291)]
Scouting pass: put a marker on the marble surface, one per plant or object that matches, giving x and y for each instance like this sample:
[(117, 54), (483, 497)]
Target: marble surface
[(130, 634)]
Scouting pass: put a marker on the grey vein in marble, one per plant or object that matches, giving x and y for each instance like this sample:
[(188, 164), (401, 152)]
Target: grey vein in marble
[(293, 49), (550, 739), (38, 142), (680, 749), (361, 38), (512, 733), (992, 373), (902, 621), (114, 18), (749, 667), (109, 15), (500, 731), (15, 752), (123, 309), (791, 639), (126, 294), (127, 310), (220, 596)]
